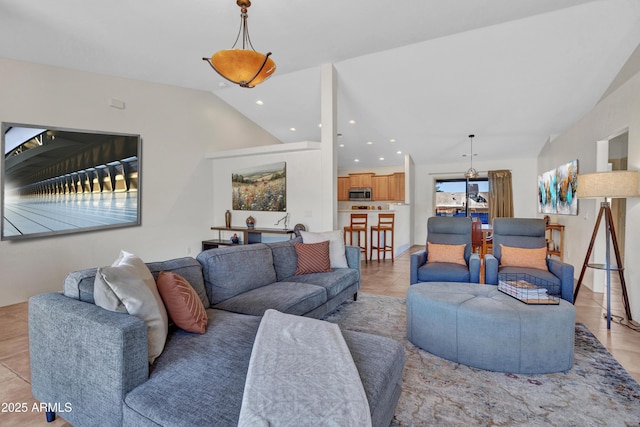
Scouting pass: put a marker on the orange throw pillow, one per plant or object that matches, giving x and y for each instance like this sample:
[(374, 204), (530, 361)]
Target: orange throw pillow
[(313, 257), (182, 302), (446, 253), (522, 257)]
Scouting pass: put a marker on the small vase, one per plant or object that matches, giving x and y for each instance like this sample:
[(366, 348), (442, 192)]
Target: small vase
[(227, 219), (251, 222)]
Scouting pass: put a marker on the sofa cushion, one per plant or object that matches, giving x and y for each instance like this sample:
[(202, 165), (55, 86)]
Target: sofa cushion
[(79, 284), (182, 303), (285, 259), (286, 297), (313, 257), (202, 375), (234, 270), (335, 282), (186, 267), (380, 362), (217, 362)]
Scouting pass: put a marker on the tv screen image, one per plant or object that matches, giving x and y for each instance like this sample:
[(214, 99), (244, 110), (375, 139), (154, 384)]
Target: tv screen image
[(58, 181)]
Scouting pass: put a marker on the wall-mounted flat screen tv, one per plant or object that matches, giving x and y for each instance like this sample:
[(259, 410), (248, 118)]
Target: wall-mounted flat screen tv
[(58, 181)]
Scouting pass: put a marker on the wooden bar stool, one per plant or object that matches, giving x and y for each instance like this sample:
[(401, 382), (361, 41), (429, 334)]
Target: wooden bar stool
[(358, 224), (385, 225)]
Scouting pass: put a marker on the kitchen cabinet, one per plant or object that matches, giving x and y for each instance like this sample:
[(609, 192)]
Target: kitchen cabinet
[(361, 180), (344, 183), (396, 187), (380, 187)]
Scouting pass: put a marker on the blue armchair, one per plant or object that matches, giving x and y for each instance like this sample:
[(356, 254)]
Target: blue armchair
[(446, 231), (526, 233)]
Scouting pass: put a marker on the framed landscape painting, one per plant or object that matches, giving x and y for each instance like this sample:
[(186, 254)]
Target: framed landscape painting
[(261, 188)]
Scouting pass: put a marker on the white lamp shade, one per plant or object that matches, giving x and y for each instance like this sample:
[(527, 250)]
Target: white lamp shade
[(615, 185)]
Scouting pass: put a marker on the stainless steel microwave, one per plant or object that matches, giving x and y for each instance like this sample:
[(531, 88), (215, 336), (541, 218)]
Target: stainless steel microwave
[(363, 194)]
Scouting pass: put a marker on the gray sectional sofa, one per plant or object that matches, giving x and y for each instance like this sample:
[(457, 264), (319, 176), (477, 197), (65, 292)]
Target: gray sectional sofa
[(94, 362)]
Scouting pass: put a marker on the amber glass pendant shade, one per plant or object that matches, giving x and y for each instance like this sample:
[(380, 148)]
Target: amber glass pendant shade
[(246, 68)]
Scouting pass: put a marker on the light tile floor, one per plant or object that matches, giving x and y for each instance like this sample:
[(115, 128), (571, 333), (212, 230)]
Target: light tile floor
[(384, 278)]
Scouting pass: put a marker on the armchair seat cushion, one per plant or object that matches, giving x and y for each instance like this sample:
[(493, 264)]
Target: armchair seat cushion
[(443, 272)]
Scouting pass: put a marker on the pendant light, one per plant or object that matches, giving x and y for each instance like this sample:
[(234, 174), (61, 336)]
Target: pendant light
[(244, 67), (471, 173)]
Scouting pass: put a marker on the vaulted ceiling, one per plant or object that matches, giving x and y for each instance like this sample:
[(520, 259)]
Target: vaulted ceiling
[(415, 77)]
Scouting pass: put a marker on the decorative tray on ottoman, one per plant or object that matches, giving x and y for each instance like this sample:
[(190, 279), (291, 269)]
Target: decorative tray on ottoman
[(528, 289)]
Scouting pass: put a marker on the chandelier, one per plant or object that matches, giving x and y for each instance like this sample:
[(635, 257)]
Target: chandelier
[(471, 173), (244, 67)]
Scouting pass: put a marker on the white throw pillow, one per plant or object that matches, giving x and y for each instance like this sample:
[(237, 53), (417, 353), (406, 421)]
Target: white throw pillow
[(128, 286), (336, 245)]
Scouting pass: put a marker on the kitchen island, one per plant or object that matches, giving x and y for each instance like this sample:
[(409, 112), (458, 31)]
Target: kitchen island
[(402, 233)]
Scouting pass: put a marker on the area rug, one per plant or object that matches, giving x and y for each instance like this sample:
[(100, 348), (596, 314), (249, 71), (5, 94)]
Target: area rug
[(437, 392)]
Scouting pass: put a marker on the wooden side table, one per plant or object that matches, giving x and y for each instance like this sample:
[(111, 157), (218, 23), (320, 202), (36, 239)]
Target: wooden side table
[(557, 249)]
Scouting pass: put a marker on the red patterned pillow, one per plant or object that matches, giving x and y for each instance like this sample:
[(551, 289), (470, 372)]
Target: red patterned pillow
[(313, 257), (182, 302)]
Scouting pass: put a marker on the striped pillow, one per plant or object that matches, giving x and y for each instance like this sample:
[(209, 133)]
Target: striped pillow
[(313, 257), (182, 302)]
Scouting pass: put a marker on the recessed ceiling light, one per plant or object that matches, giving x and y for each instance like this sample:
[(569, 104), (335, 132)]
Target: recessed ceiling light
[(292, 129), (352, 122), (369, 142), (259, 102), (356, 160), (392, 140), (341, 145), (381, 158), (319, 125), (398, 152)]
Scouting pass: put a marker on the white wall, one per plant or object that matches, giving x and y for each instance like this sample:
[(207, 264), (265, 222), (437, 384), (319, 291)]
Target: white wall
[(178, 126), (524, 181), (304, 187), (619, 110)]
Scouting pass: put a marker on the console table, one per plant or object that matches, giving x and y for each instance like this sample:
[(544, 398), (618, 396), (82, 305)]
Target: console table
[(245, 234)]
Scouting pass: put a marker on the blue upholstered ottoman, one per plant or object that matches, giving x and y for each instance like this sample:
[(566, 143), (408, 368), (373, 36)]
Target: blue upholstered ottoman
[(479, 326)]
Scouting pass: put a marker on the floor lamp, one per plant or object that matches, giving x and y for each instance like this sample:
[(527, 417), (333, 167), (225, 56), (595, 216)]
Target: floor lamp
[(610, 185)]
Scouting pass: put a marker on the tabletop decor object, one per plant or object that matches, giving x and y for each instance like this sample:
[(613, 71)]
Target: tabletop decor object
[(227, 219)]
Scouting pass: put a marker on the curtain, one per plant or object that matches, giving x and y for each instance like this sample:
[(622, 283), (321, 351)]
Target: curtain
[(500, 195)]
